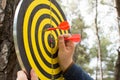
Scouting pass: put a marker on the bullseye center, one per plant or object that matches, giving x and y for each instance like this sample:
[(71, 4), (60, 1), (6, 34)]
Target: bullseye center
[(51, 40)]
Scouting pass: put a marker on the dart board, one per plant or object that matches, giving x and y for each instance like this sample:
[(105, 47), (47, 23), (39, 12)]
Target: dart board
[(37, 48)]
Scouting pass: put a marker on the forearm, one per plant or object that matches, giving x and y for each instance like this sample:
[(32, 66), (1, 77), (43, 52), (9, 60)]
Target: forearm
[(76, 73)]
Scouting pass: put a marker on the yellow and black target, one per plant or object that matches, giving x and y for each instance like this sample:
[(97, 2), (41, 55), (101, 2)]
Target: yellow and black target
[(35, 47)]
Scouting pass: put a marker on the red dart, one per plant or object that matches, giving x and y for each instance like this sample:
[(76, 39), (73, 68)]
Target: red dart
[(74, 38), (63, 26)]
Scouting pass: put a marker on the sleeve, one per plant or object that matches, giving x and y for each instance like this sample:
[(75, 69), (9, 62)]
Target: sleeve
[(76, 73)]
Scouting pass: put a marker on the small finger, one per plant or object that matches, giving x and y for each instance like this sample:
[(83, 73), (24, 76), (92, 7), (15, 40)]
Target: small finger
[(33, 75)]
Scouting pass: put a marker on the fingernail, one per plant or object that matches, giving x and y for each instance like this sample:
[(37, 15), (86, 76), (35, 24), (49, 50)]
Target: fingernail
[(60, 37), (20, 74)]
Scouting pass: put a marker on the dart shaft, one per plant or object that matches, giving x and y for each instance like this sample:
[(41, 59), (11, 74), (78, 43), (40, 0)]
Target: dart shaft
[(49, 29)]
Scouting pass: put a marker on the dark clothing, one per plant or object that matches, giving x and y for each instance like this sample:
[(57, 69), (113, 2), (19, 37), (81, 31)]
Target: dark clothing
[(76, 73)]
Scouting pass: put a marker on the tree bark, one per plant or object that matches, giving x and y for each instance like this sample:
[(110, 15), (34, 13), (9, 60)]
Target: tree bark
[(117, 66), (98, 42), (8, 60), (118, 12)]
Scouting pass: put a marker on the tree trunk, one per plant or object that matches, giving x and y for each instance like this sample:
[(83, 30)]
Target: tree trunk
[(98, 42), (97, 68), (8, 61), (118, 12), (117, 66)]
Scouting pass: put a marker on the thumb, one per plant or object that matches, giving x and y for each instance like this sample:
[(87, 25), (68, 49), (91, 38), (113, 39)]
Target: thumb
[(33, 75), (21, 75)]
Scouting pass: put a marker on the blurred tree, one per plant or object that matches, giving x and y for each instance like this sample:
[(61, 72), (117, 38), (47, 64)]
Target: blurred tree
[(77, 28), (104, 43), (98, 42), (81, 56), (8, 60), (117, 67), (107, 60)]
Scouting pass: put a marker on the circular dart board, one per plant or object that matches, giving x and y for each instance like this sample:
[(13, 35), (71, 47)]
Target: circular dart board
[(36, 47)]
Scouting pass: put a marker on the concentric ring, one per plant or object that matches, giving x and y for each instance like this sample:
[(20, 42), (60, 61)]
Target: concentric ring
[(38, 47)]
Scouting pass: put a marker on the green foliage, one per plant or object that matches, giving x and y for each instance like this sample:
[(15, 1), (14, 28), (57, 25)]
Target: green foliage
[(104, 43), (93, 52), (108, 78), (82, 58), (78, 27), (102, 2), (81, 55), (107, 59)]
